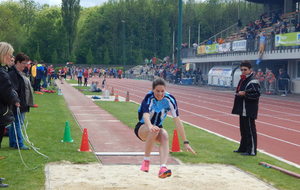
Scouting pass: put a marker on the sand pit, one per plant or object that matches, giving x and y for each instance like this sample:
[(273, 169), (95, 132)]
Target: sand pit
[(66, 176)]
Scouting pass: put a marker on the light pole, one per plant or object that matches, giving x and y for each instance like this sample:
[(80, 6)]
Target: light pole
[(179, 35), (199, 33), (123, 39)]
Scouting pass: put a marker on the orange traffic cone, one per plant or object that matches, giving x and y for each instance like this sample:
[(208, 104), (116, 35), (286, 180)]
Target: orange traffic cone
[(127, 97), (85, 142), (175, 143), (116, 97), (112, 91)]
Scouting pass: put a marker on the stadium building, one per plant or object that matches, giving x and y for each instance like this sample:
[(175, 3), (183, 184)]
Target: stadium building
[(279, 49)]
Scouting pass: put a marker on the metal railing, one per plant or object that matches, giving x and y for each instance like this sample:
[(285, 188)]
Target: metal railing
[(252, 46)]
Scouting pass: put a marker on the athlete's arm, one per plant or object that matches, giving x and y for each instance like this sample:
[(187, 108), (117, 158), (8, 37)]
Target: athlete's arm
[(148, 123), (180, 129)]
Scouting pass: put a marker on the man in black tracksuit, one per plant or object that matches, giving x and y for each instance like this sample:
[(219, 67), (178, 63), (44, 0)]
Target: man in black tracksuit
[(246, 106)]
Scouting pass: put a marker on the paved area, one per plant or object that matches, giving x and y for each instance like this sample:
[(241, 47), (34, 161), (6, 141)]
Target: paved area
[(106, 133)]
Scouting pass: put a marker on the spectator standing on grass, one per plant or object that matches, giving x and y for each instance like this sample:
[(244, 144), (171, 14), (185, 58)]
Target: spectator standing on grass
[(246, 106), (86, 76), (39, 76), (18, 83), (8, 96), (79, 76)]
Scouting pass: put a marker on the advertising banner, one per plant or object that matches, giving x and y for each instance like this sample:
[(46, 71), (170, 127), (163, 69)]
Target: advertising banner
[(288, 39), (224, 47), (201, 49), (209, 49), (240, 45)]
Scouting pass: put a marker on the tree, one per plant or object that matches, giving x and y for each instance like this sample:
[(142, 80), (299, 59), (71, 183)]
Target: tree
[(37, 55), (106, 58), (89, 58), (70, 10), (54, 57)]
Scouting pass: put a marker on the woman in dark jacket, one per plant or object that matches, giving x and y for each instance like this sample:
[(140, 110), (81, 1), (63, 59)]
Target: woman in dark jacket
[(8, 96), (18, 84)]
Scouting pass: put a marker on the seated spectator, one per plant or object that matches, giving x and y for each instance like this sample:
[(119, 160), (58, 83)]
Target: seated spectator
[(94, 87), (283, 29), (283, 82)]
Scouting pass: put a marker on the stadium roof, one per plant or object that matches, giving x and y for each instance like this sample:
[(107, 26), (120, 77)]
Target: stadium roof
[(267, 1)]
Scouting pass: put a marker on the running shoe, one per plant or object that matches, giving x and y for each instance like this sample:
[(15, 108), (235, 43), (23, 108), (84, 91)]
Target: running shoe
[(145, 166), (164, 172)]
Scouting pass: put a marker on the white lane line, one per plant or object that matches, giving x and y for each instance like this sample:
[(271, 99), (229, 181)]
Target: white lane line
[(216, 120), (98, 120), (228, 114), (125, 153), (99, 114), (208, 118), (83, 106), (230, 139), (221, 100)]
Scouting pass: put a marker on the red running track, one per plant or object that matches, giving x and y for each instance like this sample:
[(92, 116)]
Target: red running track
[(278, 124)]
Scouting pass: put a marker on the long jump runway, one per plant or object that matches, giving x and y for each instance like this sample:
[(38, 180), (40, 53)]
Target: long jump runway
[(278, 124), (112, 141)]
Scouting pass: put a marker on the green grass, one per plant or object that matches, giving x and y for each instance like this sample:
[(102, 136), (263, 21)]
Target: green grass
[(72, 81), (85, 90), (212, 149), (45, 129)]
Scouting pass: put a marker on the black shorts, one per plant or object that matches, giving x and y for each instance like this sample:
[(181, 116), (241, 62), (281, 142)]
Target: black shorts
[(136, 130), (137, 127)]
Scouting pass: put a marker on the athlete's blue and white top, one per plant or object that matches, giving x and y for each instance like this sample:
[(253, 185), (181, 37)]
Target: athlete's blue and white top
[(158, 110)]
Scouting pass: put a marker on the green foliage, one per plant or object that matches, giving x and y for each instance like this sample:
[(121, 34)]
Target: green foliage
[(89, 58), (70, 14), (37, 55), (73, 31), (54, 57), (106, 58)]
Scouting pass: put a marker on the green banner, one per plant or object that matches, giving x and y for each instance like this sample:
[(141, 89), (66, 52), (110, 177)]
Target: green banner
[(211, 48), (288, 39)]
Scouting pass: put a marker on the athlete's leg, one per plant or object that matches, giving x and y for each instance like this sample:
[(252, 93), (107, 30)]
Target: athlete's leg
[(163, 139), (146, 135)]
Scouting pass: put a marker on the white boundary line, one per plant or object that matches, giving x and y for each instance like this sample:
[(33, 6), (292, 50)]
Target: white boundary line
[(232, 140), (125, 153)]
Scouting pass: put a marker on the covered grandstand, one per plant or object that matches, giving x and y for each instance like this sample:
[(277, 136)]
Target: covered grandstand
[(280, 29)]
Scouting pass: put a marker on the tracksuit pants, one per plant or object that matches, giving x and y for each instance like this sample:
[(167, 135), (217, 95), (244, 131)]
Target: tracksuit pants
[(248, 135)]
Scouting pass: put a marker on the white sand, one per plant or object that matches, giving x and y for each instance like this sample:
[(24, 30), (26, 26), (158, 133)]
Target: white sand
[(66, 176)]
